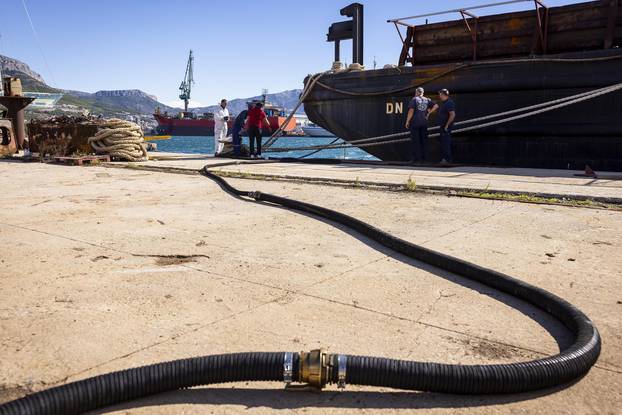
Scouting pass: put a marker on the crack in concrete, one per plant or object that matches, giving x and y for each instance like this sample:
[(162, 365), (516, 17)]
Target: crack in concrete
[(173, 337), (431, 307), (172, 256), (458, 229), (169, 256), (390, 315), (373, 261), (40, 203)]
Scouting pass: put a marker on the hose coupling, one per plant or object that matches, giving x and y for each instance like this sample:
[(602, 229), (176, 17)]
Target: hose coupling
[(318, 368), (255, 194)]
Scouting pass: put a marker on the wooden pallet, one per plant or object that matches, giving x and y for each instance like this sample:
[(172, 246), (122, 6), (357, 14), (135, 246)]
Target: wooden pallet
[(79, 161)]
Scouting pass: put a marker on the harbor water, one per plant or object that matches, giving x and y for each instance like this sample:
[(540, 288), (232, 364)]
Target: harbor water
[(205, 145)]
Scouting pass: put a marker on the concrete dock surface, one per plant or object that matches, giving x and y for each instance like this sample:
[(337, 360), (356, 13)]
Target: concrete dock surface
[(107, 268), (547, 182)]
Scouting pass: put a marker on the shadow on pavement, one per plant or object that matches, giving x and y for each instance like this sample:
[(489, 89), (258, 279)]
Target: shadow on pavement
[(280, 399)]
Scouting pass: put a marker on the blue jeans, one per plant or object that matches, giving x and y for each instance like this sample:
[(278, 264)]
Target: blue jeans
[(237, 142), (446, 145), (419, 138)]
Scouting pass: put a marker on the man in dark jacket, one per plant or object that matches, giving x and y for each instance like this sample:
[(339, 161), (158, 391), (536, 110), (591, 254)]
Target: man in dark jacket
[(238, 125)]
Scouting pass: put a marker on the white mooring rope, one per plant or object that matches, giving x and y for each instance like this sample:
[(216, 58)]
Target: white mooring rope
[(120, 139)]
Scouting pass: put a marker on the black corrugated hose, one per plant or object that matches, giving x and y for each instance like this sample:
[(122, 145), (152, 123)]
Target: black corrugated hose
[(570, 364)]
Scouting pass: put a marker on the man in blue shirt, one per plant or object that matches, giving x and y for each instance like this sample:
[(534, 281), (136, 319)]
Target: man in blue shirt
[(446, 117), (419, 110)]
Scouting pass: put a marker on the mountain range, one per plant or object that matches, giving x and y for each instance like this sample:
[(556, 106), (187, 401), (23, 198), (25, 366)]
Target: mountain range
[(120, 103)]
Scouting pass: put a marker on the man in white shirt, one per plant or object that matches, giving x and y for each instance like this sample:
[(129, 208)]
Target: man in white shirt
[(221, 116)]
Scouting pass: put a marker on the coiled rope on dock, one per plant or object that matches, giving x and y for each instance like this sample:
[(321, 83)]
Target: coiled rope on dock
[(120, 139), (523, 112)]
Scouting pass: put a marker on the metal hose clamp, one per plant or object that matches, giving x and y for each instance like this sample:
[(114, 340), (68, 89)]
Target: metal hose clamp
[(288, 366), (342, 361)]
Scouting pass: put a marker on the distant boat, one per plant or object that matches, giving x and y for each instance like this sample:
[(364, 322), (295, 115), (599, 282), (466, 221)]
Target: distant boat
[(157, 137), (312, 130), (43, 100)]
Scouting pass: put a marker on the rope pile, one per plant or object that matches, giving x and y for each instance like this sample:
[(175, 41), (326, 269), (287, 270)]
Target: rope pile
[(120, 139)]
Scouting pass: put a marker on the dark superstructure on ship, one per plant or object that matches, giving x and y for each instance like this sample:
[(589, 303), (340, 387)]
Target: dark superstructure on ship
[(490, 64), (191, 124)]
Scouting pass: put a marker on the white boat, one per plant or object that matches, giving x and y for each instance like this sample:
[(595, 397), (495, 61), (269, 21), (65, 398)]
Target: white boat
[(312, 130)]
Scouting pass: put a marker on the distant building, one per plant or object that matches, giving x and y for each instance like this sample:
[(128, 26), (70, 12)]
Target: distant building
[(301, 120), (43, 100)]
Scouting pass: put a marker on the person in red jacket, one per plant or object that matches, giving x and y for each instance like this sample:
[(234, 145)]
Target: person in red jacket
[(256, 118)]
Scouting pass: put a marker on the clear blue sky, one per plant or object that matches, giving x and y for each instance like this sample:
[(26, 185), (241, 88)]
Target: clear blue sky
[(241, 46)]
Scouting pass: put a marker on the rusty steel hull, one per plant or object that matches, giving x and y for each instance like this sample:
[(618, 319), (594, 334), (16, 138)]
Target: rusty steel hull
[(62, 136), (588, 132), (570, 28)]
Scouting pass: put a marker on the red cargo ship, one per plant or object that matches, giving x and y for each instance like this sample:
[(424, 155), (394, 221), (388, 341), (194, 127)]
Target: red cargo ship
[(185, 123), (189, 123)]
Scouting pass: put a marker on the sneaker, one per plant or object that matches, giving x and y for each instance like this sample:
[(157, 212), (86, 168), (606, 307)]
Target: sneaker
[(444, 162)]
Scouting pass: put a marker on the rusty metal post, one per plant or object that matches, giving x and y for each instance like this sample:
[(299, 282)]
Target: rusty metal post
[(15, 107), (472, 30), (355, 11), (611, 24), (408, 47), (543, 25), (337, 51)]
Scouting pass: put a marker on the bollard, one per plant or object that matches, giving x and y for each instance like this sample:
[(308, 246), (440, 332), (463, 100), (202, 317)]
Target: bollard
[(15, 107)]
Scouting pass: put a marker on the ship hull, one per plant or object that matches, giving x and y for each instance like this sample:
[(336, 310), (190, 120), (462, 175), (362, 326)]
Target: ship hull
[(586, 133), (184, 126)]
